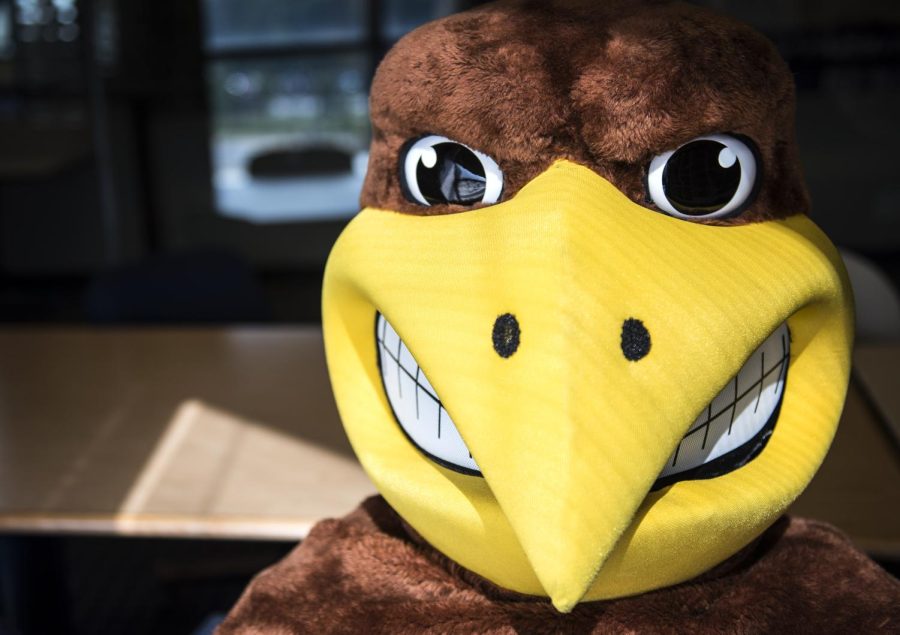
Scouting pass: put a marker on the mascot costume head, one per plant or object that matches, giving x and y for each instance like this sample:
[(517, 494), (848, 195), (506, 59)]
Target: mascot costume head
[(583, 336)]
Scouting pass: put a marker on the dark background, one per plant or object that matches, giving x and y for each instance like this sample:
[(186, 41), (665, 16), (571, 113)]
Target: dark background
[(120, 121), (192, 161), (117, 124)]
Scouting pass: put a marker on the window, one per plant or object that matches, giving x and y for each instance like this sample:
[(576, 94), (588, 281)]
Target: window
[(288, 91)]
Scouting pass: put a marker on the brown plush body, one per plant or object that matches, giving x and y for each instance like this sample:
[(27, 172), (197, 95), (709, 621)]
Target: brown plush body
[(366, 574)]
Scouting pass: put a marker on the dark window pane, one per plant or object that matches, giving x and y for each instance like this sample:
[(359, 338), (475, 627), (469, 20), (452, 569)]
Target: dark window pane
[(6, 29), (401, 16), (234, 24)]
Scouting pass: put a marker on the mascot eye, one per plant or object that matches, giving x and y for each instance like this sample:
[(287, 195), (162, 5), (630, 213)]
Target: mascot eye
[(710, 177), (437, 170)]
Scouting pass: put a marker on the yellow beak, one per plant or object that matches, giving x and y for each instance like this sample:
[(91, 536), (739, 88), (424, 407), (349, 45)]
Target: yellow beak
[(569, 434)]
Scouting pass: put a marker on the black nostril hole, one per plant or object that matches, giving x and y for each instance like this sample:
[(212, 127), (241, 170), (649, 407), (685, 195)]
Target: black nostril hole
[(635, 339), (506, 335)]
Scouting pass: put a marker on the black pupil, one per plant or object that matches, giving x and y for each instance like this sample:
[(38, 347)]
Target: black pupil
[(694, 180), (457, 176)]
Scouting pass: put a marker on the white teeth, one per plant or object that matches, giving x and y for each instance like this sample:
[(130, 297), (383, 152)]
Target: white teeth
[(735, 417), (739, 412), (415, 403)]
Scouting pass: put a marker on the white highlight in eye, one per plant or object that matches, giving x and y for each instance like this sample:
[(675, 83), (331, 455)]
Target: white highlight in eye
[(429, 157), (740, 410), (416, 404), (727, 157)]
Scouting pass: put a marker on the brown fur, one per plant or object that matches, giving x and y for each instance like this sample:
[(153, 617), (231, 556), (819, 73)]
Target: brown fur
[(365, 574), (605, 84)]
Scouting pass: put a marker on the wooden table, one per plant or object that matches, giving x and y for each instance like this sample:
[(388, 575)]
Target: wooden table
[(188, 432), (858, 486), (234, 433)]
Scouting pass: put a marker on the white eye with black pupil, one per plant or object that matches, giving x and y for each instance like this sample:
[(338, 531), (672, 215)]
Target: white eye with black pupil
[(713, 176), (436, 170)]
